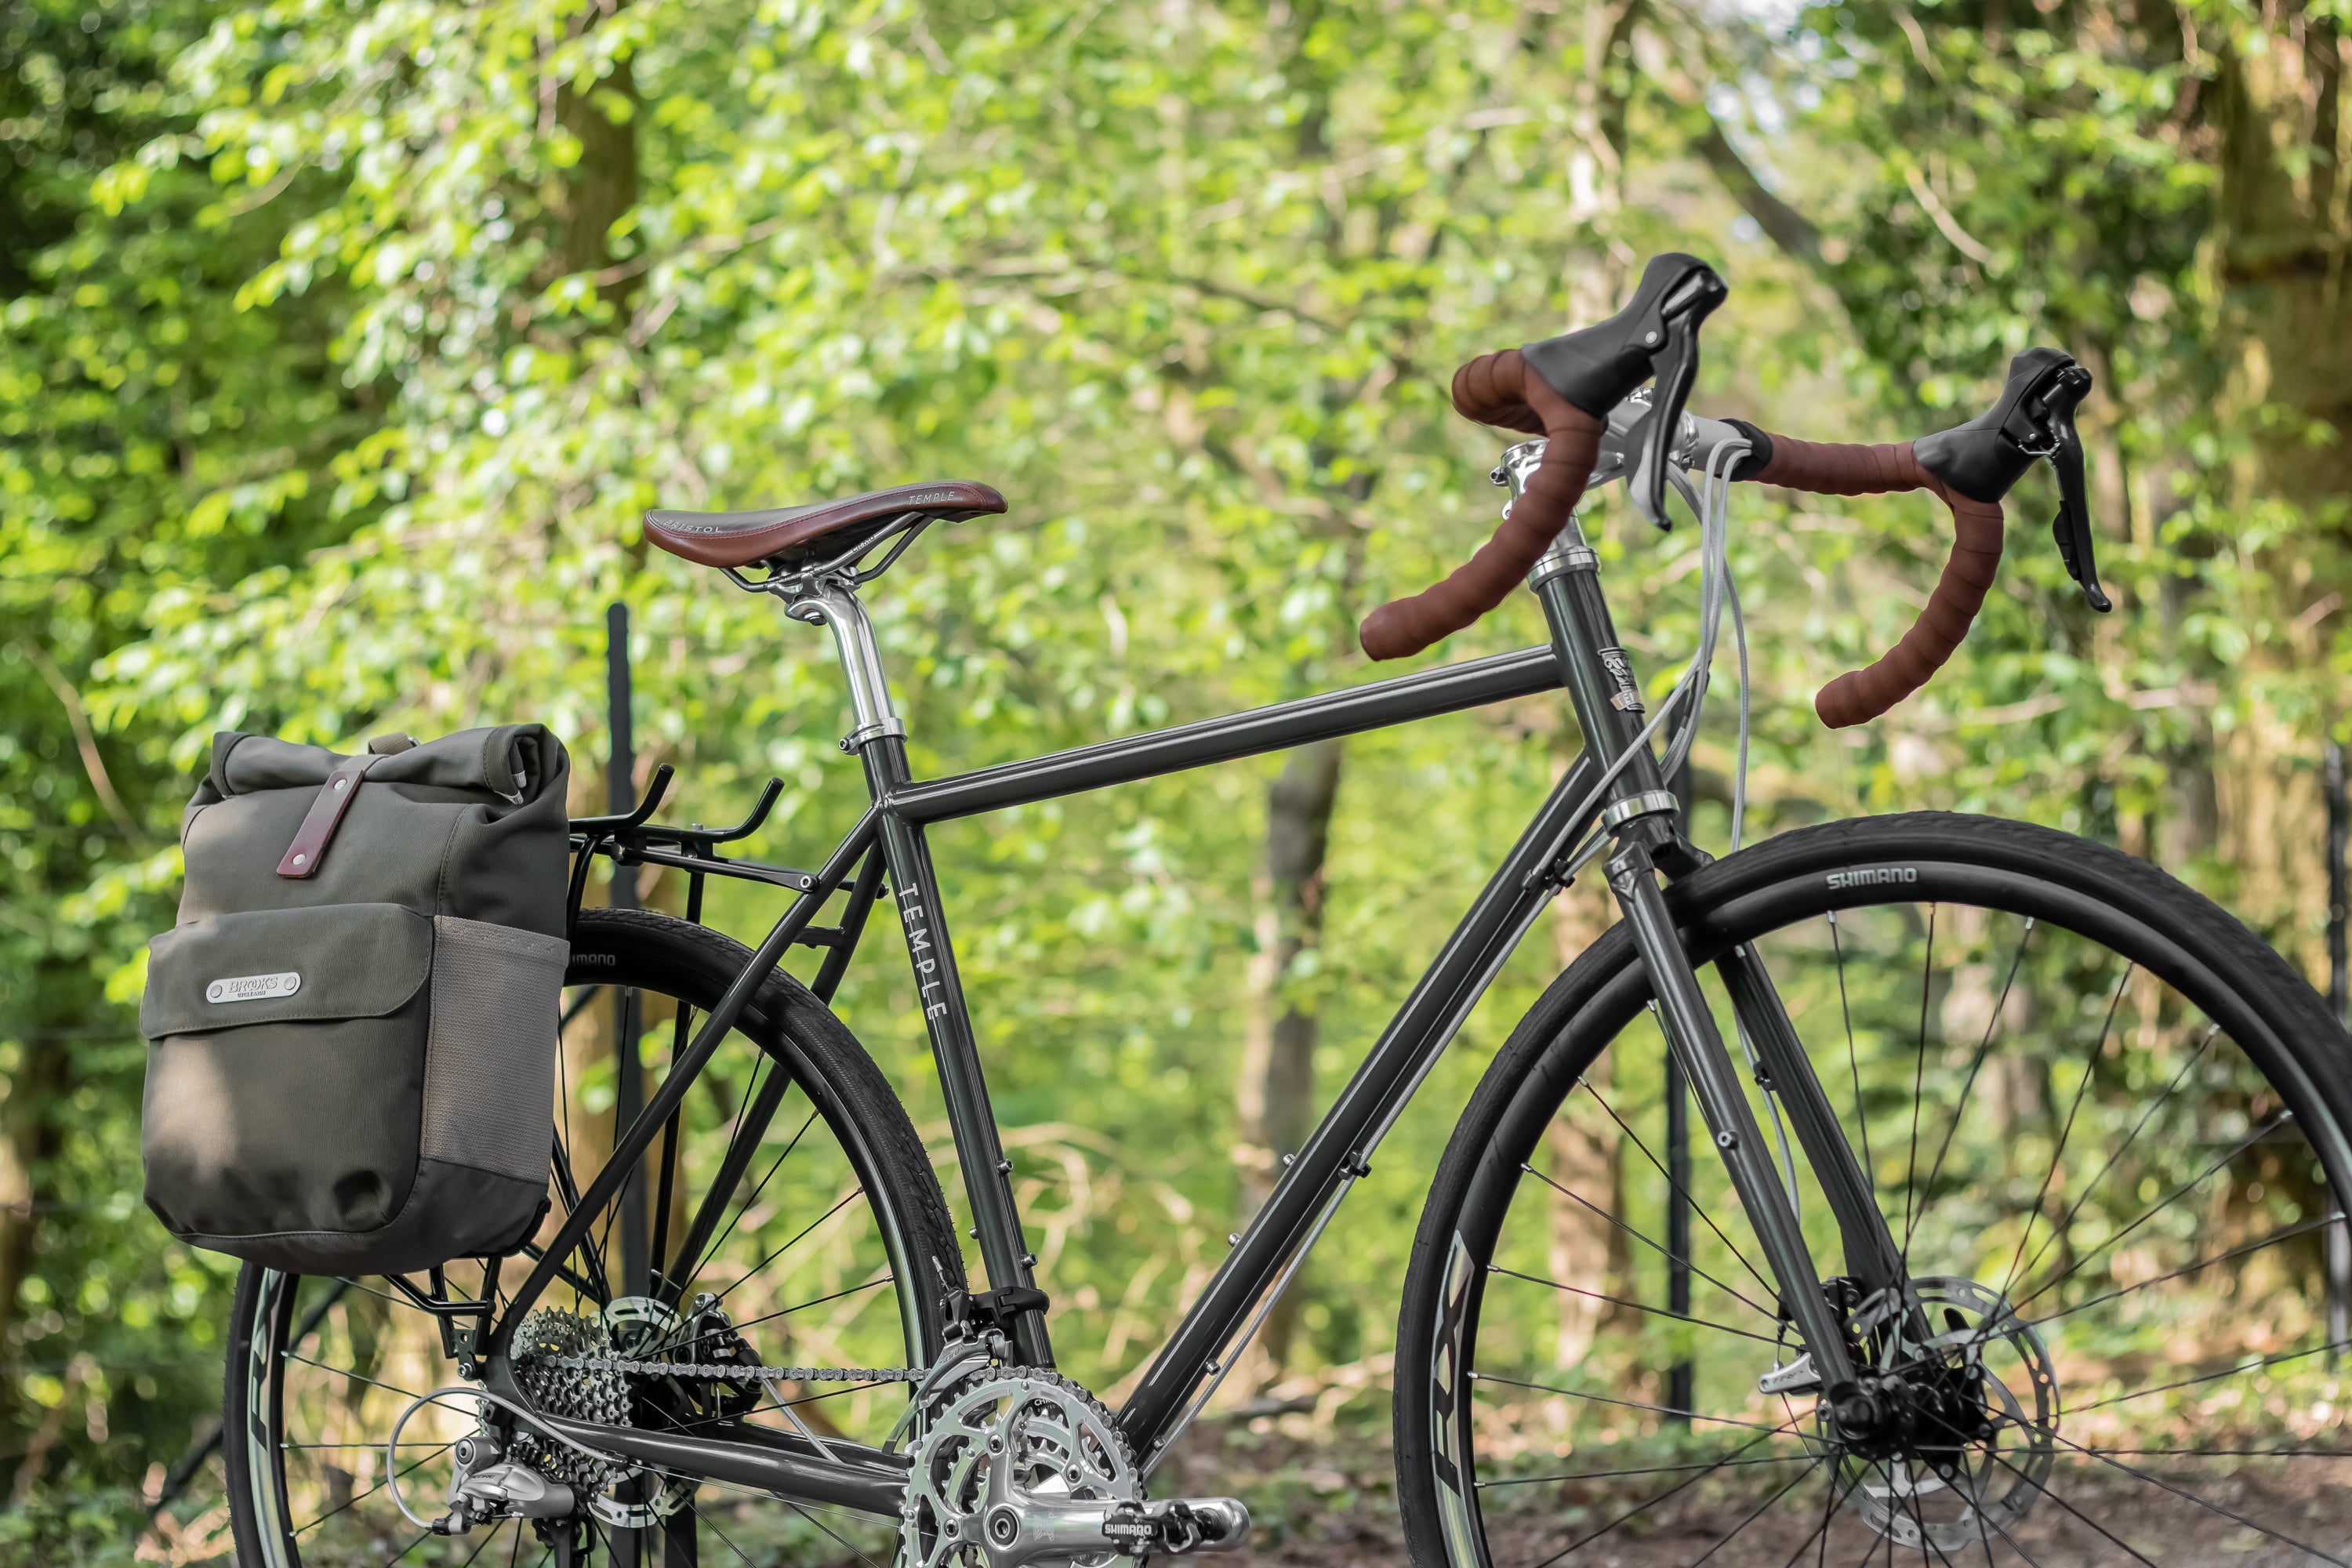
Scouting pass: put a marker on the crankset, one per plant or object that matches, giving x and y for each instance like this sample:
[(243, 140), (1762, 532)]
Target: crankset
[(1018, 1466)]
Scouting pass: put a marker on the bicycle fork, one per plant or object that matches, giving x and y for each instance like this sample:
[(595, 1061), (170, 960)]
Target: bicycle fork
[(1639, 813)]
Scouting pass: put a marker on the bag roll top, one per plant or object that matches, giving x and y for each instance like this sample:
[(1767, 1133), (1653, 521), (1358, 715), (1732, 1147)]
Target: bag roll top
[(352, 1030)]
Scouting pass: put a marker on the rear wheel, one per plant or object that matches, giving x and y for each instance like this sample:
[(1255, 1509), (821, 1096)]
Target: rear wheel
[(2102, 1120), (833, 1250)]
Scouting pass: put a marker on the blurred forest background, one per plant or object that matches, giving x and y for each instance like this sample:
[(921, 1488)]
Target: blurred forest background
[(344, 344)]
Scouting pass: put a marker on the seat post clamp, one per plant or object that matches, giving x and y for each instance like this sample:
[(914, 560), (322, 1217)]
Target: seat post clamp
[(887, 725)]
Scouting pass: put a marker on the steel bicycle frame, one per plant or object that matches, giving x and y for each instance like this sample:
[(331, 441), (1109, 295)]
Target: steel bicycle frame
[(1634, 810)]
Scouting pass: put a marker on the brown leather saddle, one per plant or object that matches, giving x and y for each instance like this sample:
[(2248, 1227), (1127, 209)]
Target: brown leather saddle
[(796, 536)]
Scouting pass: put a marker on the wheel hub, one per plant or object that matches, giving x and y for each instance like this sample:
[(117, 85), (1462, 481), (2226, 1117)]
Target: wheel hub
[(1948, 1434)]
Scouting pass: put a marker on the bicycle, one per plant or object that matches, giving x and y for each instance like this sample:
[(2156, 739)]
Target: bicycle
[(2015, 1340)]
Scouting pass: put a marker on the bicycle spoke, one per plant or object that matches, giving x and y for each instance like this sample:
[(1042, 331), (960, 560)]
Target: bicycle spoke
[(421, 1538), (855, 1193), (712, 1251), (730, 1540), (1634, 1306), (2232, 1371), (2156, 1480), (1644, 1470), (1853, 1062), (2061, 1502), (2229, 1453), (485, 1546), (1920, 1068), (1968, 1084), (2285, 1233), (365, 1447), (1919, 1521), (1759, 1512), (389, 1477), (1637, 1235), (2058, 1151), (1819, 1539), (788, 1311), (1646, 1504), (339, 1372), (2116, 1153), (1676, 1187), (830, 1530), (2264, 1130), (1632, 1404)]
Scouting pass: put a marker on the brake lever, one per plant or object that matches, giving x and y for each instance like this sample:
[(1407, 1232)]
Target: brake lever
[(2072, 526), (1653, 339), (2033, 420), (1650, 444)]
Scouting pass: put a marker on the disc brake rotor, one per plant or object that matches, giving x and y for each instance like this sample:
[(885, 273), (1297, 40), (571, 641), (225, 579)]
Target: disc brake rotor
[(1979, 1444)]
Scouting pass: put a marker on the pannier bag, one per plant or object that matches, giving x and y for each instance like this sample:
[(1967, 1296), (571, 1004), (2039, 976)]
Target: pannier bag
[(352, 1032)]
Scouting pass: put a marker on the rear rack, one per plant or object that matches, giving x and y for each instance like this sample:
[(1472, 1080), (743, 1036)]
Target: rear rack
[(633, 839)]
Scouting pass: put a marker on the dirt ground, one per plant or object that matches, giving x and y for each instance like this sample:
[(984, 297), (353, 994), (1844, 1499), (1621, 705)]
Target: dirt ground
[(1332, 1505)]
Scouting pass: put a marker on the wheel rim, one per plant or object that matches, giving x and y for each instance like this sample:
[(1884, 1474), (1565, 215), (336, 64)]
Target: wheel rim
[(811, 1261), (2164, 1331)]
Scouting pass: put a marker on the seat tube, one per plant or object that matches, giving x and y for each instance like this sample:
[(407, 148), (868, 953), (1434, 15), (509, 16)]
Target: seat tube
[(879, 740)]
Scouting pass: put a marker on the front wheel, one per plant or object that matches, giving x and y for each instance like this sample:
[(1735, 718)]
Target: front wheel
[(2104, 1126)]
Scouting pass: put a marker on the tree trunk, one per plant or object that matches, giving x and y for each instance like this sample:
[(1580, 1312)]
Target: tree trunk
[(27, 1141), (1586, 1251), (1278, 1078), (601, 188), (2279, 254)]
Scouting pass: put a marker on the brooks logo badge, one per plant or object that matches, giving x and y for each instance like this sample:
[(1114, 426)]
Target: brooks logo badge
[(1873, 877), (254, 987)]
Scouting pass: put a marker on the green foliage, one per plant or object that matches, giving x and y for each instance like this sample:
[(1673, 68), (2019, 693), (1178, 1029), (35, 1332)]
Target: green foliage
[(345, 346)]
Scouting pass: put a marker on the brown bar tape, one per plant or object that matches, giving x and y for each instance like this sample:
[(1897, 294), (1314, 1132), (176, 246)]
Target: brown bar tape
[(1499, 389), (1833, 469)]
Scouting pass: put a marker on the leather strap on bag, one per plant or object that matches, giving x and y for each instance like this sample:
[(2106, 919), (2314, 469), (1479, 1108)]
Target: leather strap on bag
[(326, 814)]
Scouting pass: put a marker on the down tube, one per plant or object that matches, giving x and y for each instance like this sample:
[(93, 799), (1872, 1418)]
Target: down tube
[(1342, 1145)]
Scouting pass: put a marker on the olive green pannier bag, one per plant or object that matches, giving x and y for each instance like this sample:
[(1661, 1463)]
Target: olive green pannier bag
[(352, 1032)]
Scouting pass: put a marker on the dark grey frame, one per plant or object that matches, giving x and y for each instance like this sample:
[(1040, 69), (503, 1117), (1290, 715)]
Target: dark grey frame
[(1634, 810)]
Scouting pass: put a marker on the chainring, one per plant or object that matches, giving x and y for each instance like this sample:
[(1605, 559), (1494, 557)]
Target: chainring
[(1001, 1437)]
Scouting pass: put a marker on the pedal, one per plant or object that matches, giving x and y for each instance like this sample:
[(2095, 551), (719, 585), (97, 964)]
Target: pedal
[(1797, 1377), (1180, 1527)]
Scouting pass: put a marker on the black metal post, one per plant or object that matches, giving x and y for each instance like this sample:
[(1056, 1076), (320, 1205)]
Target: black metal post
[(628, 1059), (629, 1070), (2339, 981), (1680, 1375)]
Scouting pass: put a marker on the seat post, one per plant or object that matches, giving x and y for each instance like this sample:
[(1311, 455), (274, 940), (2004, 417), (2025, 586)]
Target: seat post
[(833, 602)]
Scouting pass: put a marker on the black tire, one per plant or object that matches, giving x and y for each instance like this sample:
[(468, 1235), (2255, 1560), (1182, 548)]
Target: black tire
[(2086, 896), (871, 1139)]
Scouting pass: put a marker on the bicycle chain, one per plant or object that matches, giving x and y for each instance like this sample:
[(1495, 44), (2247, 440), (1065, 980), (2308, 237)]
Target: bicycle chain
[(690, 1369)]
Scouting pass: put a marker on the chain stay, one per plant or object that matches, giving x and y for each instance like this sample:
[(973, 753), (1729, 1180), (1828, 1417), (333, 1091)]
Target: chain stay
[(689, 1369)]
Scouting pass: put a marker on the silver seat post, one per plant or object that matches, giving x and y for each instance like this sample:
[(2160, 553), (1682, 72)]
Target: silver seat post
[(831, 601)]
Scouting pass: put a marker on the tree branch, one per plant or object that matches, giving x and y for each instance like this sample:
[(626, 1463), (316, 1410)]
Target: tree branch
[(1787, 227), (85, 739)]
